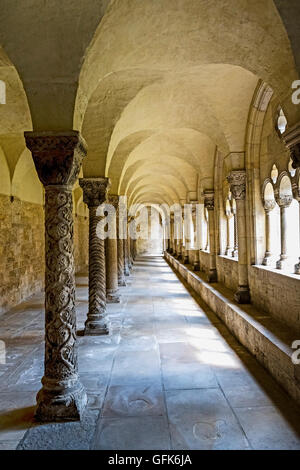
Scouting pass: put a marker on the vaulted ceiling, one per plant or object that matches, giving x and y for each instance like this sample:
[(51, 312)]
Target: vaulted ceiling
[(155, 87)]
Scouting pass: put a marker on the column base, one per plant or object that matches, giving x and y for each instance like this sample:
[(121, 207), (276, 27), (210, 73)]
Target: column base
[(113, 299), (196, 267), (242, 296), (96, 327), (60, 401), (212, 276), (282, 263), (267, 261)]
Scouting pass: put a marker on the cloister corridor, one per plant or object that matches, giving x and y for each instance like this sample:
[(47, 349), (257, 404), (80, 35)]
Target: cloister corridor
[(169, 376)]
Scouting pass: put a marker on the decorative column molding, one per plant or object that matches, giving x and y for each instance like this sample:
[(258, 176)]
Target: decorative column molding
[(57, 157), (111, 257), (95, 194), (237, 181), (209, 204), (284, 202), (291, 139), (268, 206)]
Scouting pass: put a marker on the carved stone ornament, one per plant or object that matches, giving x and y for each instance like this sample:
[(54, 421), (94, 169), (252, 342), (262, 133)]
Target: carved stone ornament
[(58, 157), (94, 190), (95, 194), (284, 201), (237, 182), (269, 205), (113, 200), (209, 200)]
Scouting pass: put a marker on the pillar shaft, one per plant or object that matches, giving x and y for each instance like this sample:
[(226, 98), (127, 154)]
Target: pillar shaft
[(297, 266), (237, 181), (95, 194), (111, 249), (284, 203), (209, 203), (268, 206), (57, 157)]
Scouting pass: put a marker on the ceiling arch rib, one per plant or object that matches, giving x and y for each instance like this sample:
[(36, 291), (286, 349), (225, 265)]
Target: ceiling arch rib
[(155, 168), (170, 183)]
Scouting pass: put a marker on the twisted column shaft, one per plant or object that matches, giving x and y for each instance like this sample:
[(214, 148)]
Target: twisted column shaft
[(57, 157), (94, 194)]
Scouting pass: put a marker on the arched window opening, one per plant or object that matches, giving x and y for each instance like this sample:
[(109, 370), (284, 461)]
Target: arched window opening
[(284, 200), (2, 92), (274, 174), (292, 170), (272, 233), (293, 233), (281, 122)]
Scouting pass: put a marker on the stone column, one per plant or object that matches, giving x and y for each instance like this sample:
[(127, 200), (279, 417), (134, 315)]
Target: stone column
[(237, 181), (206, 216), (120, 249), (235, 250), (209, 204), (126, 256), (284, 202), (268, 206), (196, 221), (95, 194), (229, 247), (188, 233), (171, 241), (112, 295), (57, 157), (129, 251)]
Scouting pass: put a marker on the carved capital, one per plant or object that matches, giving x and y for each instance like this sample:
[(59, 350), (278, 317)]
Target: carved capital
[(269, 205), (94, 190), (209, 200), (114, 200), (57, 156), (237, 181), (284, 201), (291, 139)]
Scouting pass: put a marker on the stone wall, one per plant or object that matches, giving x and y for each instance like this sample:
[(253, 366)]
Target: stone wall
[(228, 272), (204, 261), (21, 250), (277, 294), (81, 244)]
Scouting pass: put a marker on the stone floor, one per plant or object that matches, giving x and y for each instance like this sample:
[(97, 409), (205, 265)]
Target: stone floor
[(170, 376)]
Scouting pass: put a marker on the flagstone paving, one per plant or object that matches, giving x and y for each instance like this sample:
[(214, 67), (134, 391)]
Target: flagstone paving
[(169, 376)]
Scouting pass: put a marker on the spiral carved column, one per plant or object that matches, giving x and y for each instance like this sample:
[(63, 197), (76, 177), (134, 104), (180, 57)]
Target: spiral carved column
[(57, 158), (94, 194), (112, 295), (120, 249)]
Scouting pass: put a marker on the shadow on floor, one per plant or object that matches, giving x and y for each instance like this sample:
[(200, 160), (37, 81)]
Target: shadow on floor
[(275, 392)]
